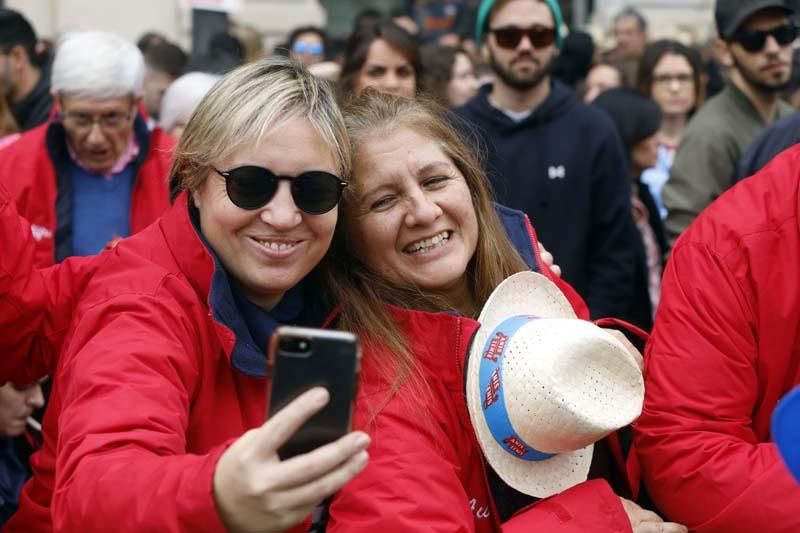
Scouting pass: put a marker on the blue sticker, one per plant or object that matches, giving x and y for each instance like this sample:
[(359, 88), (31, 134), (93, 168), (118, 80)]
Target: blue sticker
[(493, 400)]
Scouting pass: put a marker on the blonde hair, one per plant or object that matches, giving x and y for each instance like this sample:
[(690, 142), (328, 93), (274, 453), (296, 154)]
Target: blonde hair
[(362, 293), (242, 107)]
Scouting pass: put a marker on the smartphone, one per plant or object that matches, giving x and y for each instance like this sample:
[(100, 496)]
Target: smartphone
[(303, 358)]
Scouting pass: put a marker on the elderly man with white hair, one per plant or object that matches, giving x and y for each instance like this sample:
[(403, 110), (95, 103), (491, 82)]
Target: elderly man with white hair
[(95, 173)]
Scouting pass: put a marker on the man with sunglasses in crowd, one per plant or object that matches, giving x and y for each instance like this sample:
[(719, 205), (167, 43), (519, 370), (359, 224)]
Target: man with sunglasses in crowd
[(307, 45), (755, 41), (554, 158), (95, 173)]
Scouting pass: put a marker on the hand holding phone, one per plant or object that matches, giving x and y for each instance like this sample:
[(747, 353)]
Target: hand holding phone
[(303, 358), (255, 491)]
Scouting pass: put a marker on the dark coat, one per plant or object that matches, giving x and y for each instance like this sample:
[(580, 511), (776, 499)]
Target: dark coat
[(565, 167)]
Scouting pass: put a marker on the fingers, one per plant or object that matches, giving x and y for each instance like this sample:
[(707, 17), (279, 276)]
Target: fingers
[(643, 516), (671, 527), (549, 260), (659, 527), (288, 420), (547, 257), (311, 466), (310, 494), (640, 518)]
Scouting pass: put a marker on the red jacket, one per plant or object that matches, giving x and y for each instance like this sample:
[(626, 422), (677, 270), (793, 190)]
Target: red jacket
[(725, 349), (28, 172), (35, 305), (146, 397), (426, 470)]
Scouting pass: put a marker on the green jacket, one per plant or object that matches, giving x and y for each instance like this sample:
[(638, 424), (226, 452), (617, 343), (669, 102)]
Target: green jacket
[(706, 160)]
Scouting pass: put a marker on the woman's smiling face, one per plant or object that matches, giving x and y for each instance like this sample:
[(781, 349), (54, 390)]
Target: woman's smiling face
[(413, 218), (269, 250)]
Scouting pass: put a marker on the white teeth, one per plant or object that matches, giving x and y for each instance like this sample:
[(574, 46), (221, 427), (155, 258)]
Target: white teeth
[(277, 246), (436, 241)]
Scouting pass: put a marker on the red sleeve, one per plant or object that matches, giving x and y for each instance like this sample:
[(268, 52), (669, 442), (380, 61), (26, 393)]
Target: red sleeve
[(16, 290), (590, 506), (35, 305), (64, 284), (700, 457), (411, 482), (125, 388)]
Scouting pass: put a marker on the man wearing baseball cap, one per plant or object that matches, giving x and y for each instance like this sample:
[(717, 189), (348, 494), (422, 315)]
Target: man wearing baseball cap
[(551, 156), (755, 44)]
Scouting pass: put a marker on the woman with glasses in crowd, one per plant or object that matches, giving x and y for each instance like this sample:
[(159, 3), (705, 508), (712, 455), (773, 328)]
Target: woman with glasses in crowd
[(419, 248), (669, 73), (158, 405)]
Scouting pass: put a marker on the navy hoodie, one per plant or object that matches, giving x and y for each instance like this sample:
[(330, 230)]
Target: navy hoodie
[(565, 167)]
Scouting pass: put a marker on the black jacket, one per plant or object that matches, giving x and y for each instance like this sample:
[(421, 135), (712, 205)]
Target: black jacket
[(34, 109), (565, 167)]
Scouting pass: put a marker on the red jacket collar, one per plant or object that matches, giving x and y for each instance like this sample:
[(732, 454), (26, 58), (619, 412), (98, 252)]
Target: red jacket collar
[(438, 341), (188, 249), (194, 261)]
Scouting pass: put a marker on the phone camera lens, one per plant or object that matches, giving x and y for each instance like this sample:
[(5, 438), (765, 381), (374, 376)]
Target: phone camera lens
[(296, 346)]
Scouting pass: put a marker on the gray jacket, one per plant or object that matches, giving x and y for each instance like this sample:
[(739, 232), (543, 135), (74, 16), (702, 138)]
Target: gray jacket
[(707, 158)]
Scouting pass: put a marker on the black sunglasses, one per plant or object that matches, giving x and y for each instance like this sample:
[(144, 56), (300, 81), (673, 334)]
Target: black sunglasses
[(509, 37), (755, 40), (314, 192)]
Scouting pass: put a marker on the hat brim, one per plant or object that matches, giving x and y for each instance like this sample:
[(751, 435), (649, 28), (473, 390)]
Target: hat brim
[(524, 293), (786, 431)]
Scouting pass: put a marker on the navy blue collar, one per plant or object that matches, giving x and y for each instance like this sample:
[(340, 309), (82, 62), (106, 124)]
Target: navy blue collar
[(262, 323), (517, 230)]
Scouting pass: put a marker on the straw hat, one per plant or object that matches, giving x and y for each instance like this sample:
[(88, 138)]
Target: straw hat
[(786, 431), (544, 386)]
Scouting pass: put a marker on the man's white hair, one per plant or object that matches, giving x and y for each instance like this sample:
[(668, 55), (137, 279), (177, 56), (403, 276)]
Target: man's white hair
[(97, 65)]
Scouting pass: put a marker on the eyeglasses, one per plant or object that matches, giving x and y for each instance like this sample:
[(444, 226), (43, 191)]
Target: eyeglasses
[(509, 37), (107, 121), (667, 79), (755, 40), (315, 49), (314, 192)]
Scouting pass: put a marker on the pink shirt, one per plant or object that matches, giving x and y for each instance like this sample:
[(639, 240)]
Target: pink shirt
[(5, 140), (129, 155)]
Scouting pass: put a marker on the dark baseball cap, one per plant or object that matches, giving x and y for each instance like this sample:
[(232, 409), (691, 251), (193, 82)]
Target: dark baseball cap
[(730, 14)]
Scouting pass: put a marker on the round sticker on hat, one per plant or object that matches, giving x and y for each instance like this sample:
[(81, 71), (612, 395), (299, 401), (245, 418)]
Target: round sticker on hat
[(786, 431)]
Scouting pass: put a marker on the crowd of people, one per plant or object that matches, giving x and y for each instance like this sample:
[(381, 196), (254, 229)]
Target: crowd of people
[(161, 215)]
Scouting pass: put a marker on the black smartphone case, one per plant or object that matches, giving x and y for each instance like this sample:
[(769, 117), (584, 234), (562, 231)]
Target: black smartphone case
[(332, 363)]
